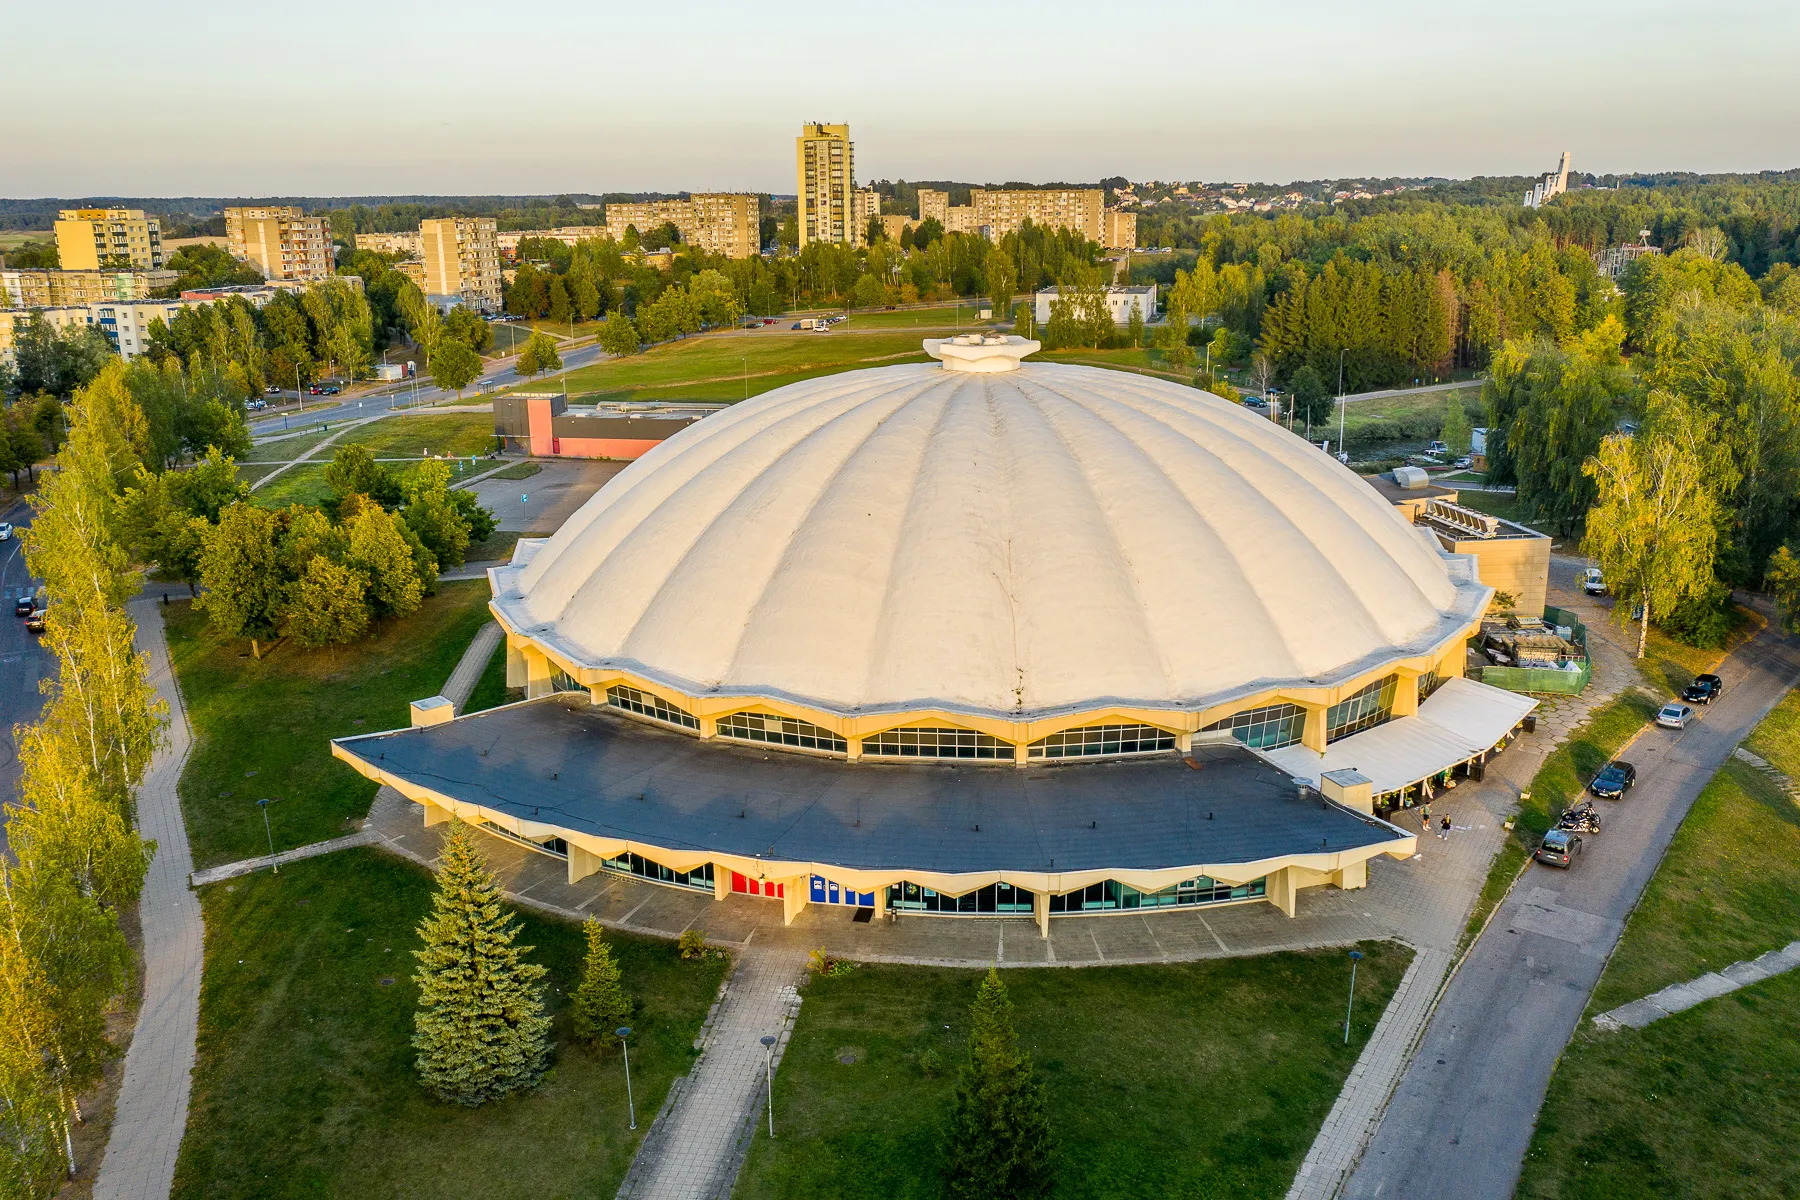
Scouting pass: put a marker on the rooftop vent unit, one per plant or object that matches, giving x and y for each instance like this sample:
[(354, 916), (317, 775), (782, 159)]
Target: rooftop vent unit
[(1411, 477)]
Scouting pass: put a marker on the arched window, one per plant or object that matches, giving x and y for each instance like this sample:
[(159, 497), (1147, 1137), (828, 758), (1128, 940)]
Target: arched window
[(929, 741), (780, 731), (648, 704), (1096, 740), (1267, 728)]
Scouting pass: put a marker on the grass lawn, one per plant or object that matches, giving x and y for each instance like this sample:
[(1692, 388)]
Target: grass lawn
[(287, 447), (263, 728), (1558, 783), (1504, 505), (524, 470), (1706, 1102), (490, 691), (714, 366), (1672, 665), (1145, 361), (939, 318), (1194, 1079), (303, 484), (458, 434), (304, 1083)]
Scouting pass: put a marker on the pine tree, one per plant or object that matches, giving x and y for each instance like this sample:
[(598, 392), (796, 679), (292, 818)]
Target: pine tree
[(999, 1132), (480, 1028), (599, 1005)]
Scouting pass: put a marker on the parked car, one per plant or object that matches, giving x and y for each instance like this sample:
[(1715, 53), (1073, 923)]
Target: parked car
[(1438, 448), (1614, 780), (1464, 463), (330, 389), (1674, 715), (1593, 582), (30, 602), (6, 531), (35, 622), (313, 389), (1559, 848), (1704, 690), (274, 389), (796, 324), (1256, 402), (1580, 819)]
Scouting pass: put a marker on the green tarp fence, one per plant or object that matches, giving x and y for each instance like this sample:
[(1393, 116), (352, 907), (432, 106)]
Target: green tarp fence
[(1540, 679)]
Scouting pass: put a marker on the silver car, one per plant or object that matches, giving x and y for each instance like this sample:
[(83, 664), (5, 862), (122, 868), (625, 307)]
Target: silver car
[(6, 531), (1674, 715)]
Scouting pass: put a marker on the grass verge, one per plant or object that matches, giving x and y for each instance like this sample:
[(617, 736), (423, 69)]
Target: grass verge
[(304, 1082), (1672, 665), (1558, 783), (1705, 1102), (524, 470), (263, 728), (1191, 1079)]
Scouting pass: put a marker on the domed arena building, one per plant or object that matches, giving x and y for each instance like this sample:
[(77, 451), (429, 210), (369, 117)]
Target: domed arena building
[(975, 637)]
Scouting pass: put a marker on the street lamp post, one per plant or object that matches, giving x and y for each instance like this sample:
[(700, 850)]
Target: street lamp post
[(624, 1031), (268, 833), (768, 1044), (746, 377), (1355, 957), (1341, 401)]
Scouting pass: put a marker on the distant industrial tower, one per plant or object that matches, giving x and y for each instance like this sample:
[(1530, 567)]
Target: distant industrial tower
[(1550, 186), (826, 168)]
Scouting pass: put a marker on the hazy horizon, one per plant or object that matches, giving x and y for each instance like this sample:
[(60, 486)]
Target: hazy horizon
[(557, 98)]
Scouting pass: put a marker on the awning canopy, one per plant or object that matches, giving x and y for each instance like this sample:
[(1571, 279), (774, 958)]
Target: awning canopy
[(1460, 720)]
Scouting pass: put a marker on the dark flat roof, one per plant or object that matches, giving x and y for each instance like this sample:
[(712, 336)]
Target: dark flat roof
[(564, 762)]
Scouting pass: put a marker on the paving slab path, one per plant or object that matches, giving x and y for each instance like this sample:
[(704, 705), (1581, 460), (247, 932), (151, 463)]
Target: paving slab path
[(474, 661), (697, 1145), (1679, 997), (139, 1163)]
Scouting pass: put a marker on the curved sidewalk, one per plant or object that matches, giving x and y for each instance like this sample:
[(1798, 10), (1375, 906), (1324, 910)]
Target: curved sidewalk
[(153, 1098)]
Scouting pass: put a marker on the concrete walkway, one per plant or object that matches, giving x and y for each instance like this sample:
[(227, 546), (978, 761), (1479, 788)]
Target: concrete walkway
[(249, 866), (697, 1145), (312, 455), (153, 1097), (474, 661), (1679, 997)]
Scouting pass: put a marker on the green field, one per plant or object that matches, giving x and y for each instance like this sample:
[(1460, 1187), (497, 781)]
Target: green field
[(304, 1083), (929, 322), (288, 447), (1705, 1102), (263, 728), (1191, 1080), (303, 484), (1397, 419), (726, 366)]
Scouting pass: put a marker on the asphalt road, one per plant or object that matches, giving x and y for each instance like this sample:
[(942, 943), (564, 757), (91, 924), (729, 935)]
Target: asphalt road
[(1462, 1118), (496, 375), (23, 661)]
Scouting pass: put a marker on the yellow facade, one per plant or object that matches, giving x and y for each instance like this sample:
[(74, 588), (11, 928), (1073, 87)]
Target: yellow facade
[(404, 242), (462, 261), (535, 668), (281, 242), (998, 213), (108, 239), (14, 321), (725, 223), (825, 175), (59, 289)]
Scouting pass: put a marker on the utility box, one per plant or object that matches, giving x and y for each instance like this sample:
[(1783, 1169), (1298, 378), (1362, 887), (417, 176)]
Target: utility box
[(434, 710), (1350, 788)]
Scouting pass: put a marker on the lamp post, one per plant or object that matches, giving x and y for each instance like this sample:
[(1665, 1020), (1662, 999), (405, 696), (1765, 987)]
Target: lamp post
[(624, 1031), (268, 833), (1341, 401), (1355, 957), (768, 1044), (746, 376)]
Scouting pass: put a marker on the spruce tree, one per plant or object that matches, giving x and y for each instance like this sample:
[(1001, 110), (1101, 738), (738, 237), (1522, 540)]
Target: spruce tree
[(480, 1028), (599, 1005), (999, 1131)]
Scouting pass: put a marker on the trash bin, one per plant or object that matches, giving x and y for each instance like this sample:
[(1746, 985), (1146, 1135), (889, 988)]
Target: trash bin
[(1530, 723)]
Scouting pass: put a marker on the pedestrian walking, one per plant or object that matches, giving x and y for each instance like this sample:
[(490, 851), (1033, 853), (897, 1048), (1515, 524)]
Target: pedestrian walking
[(1425, 820), (1446, 827)]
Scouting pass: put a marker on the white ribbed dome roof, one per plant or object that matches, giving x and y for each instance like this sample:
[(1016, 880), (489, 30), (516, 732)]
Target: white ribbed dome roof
[(1042, 539)]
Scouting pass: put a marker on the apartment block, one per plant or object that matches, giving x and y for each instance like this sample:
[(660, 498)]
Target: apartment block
[(36, 288), (282, 243), (1121, 230), (568, 235), (825, 170), (96, 239), (995, 214), (865, 203), (404, 242), (957, 219), (725, 223), (462, 262), (126, 323)]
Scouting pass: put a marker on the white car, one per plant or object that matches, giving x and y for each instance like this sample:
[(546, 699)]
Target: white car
[(1674, 715), (6, 531), (1593, 582)]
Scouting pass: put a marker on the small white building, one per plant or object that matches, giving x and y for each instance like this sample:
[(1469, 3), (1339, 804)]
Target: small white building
[(1120, 299)]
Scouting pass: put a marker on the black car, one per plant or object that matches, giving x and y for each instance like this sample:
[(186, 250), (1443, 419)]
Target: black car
[(1559, 849), (1614, 781), (1704, 690), (29, 602)]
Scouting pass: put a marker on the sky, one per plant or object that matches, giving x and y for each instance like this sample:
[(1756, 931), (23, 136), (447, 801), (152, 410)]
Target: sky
[(340, 97)]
